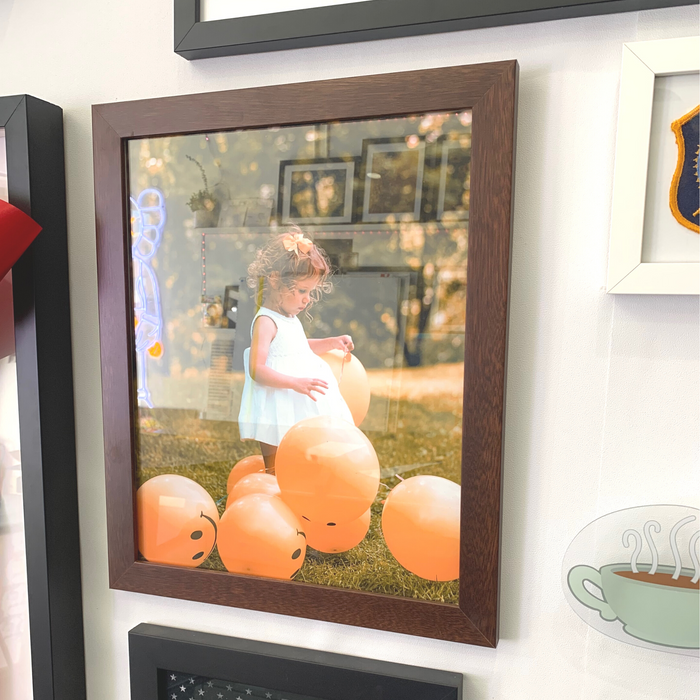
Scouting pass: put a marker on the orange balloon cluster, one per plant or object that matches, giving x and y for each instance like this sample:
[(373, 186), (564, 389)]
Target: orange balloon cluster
[(248, 465), (259, 535), (352, 382), (327, 471), (420, 523), (177, 521), (337, 538), (253, 483)]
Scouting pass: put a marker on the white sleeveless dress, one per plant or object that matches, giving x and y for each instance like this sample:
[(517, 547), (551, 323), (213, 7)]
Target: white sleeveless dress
[(267, 413)]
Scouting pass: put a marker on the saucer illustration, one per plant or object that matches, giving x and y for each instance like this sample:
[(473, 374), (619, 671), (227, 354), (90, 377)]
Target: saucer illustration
[(634, 575)]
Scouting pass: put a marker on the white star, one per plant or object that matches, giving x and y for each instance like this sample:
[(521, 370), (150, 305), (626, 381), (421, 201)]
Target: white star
[(172, 676), (191, 681), (268, 695), (248, 691), (229, 687), (219, 695), (182, 689), (201, 692), (173, 696), (239, 698), (210, 684)]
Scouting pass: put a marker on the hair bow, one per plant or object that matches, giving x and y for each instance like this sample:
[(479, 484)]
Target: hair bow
[(297, 242)]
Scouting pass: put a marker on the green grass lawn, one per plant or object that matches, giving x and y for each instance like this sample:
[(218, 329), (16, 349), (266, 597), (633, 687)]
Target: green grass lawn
[(427, 441)]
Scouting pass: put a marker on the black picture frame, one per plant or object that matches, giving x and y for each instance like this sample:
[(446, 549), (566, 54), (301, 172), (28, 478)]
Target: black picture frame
[(153, 650), (392, 144), (36, 185), (379, 19), (351, 167)]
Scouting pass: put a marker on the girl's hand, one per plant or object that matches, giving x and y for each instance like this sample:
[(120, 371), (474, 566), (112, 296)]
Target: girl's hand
[(306, 386), (343, 342)]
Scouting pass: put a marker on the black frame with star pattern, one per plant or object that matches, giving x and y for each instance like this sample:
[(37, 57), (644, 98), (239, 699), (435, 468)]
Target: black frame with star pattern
[(157, 653)]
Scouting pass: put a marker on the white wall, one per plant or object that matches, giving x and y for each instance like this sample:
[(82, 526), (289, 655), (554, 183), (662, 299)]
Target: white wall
[(602, 408)]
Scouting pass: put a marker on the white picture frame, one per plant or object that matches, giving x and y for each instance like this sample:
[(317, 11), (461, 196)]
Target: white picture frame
[(642, 62)]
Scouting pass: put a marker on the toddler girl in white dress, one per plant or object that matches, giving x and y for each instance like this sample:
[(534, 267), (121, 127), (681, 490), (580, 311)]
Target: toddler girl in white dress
[(285, 380)]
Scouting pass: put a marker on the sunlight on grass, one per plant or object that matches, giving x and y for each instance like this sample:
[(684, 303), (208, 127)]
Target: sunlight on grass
[(427, 441)]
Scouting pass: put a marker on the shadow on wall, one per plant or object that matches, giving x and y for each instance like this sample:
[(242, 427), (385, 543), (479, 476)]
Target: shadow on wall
[(5, 11), (525, 327)]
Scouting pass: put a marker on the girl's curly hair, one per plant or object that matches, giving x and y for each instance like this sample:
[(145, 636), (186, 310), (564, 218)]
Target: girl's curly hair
[(290, 266)]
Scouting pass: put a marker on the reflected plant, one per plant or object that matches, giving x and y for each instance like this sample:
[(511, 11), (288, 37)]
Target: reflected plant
[(203, 200)]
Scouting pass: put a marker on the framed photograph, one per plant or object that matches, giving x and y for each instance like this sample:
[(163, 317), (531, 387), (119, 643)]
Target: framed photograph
[(336, 454), (392, 178), (654, 241), (41, 617), (209, 28), (164, 662), (454, 183), (317, 192)]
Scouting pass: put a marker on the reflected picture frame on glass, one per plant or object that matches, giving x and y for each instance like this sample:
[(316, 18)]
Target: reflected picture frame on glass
[(389, 407)]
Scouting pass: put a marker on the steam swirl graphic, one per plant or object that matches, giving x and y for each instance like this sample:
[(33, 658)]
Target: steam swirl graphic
[(648, 527), (674, 545), (694, 557), (626, 536)]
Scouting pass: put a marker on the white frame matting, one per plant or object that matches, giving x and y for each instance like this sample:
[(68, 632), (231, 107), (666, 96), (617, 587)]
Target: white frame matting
[(641, 62)]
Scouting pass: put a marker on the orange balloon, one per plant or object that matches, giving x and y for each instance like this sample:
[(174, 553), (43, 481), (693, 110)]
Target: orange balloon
[(337, 538), (327, 470), (248, 465), (420, 523), (253, 483), (260, 535), (352, 382), (177, 521)]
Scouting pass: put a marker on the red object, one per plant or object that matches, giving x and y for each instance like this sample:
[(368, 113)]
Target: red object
[(17, 231)]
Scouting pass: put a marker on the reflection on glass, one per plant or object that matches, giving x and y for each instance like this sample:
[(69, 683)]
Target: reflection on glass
[(259, 259), (174, 685), (226, 9), (15, 660), (665, 238)]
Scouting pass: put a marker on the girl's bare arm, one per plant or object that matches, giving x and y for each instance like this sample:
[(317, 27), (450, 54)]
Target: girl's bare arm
[(341, 342), (264, 332)]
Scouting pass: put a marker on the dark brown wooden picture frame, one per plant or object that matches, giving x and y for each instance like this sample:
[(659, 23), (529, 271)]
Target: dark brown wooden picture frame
[(490, 91)]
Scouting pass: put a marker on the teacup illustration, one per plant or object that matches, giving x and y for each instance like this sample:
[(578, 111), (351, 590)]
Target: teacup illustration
[(661, 607)]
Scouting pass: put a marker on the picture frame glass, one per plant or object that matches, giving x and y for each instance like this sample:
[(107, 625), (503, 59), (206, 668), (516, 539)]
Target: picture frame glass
[(259, 259), (212, 10), (15, 645), (667, 236), (172, 682)]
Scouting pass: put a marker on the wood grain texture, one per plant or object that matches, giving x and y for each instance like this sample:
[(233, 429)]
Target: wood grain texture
[(355, 608), (490, 90), (387, 94), (493, 151), (116, 342)]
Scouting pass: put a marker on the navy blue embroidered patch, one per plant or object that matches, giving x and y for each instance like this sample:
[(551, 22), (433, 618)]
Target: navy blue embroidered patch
[(684, 187)]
